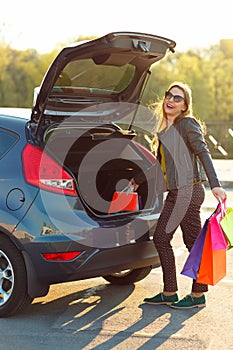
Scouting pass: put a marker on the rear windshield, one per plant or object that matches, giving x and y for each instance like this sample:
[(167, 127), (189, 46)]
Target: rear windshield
[(93, 77)]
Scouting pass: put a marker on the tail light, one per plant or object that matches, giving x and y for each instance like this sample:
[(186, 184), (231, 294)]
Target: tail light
[(147, 153), (42, 171), (61, 256)]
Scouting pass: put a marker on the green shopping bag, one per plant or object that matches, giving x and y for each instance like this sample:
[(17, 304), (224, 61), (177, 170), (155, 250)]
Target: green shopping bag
[(227, 226)]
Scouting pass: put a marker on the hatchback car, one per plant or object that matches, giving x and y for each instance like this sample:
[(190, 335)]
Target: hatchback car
[(61, 164)]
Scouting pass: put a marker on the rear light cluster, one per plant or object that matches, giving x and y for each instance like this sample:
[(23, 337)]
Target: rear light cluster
[(42, 171)]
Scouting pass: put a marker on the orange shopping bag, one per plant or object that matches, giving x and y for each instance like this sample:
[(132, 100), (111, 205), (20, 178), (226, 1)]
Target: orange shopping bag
[(123, 201), (213, 263)]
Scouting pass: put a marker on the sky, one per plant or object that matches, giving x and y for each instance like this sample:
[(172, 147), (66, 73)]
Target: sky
[(44, 24)]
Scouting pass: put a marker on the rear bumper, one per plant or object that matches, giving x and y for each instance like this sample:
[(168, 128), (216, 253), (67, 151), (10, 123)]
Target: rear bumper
[(114, 260), (106, 247), (91, 263)]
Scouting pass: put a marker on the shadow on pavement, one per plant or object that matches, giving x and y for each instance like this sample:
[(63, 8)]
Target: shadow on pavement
[(89, 309)]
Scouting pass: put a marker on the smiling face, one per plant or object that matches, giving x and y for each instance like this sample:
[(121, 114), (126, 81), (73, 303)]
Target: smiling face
[(174, 102)]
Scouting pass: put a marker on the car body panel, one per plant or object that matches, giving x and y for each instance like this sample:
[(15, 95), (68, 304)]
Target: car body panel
[(16, 198)]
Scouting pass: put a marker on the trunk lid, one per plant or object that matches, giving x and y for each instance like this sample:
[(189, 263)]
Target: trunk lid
[(111, 69)]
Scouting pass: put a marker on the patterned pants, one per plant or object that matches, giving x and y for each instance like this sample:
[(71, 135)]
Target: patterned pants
[(181, 208)]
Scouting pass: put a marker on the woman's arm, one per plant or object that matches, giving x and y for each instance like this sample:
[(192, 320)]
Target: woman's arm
[(199, 146)]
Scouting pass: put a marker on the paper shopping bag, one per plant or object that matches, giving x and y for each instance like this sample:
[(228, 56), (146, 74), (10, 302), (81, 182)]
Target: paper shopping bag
[(123, 201), (227, 226), (218, 237), (192, 263), (213, 263)]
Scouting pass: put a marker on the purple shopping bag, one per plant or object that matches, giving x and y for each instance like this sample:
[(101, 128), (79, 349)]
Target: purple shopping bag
[(193, 261)]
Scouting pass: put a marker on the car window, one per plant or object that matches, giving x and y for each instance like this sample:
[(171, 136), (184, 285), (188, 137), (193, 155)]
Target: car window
[(7, 140), (93, 77)]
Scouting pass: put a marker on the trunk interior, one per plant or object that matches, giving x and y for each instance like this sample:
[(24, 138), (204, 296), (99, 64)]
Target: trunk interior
[(102, 159)]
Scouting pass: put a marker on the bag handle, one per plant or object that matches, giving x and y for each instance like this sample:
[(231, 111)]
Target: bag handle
[(128, 189), (222, 207)]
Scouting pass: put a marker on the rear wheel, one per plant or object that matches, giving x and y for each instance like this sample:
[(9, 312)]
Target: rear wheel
[(128, 276), (13, 279)]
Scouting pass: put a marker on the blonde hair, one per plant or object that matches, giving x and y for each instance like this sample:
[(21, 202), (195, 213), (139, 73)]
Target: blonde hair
[(160, 115)]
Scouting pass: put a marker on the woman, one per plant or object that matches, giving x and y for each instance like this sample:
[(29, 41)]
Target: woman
[(182, 152)]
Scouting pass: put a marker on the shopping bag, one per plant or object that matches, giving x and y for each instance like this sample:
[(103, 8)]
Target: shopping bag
[(124, 201), (227, 225), (218, 237), (213, 263), (192, 263)]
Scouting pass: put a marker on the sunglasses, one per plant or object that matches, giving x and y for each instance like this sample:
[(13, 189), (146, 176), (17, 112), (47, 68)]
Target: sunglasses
[(176, 98)]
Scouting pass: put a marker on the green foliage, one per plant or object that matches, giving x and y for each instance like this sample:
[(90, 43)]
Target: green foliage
[(20, 72), (208, 71)]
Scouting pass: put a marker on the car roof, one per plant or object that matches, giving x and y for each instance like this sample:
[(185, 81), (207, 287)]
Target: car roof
[(23, 113)]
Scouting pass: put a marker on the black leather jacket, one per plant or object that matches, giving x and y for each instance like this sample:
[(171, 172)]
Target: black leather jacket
[(186, 154)]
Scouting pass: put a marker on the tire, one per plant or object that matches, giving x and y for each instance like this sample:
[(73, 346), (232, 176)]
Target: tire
[(128, 276), (13, 279)]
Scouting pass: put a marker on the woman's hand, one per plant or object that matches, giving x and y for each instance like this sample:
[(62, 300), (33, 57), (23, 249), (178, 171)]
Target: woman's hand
[(219, 193), (133, 184)]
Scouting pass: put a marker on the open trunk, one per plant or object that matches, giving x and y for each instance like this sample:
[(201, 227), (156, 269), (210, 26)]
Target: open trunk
[(88, 89), (102, 160)]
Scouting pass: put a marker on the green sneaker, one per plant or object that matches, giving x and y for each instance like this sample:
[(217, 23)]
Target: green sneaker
[(161, 299), (189, 302)]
